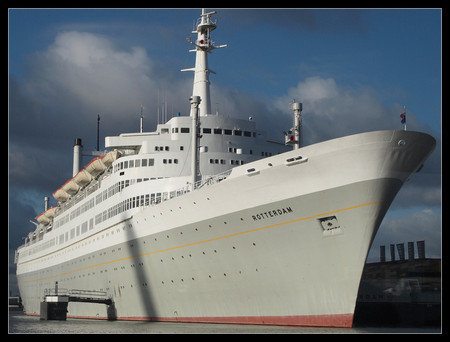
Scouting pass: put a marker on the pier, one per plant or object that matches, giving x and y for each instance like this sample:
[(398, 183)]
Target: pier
[(56, 301)]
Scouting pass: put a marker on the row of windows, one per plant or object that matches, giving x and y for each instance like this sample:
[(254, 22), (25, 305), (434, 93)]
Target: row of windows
[(133, 163), (224, 131), (223, 162), (130, 203), (141, 163), (103, 195), (76, 231), (127, 204)]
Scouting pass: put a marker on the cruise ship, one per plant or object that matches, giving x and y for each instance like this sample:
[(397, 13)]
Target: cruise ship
[(206, 220)]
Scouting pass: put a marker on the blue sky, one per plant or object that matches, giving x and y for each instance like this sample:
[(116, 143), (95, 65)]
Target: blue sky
[(354, 70)]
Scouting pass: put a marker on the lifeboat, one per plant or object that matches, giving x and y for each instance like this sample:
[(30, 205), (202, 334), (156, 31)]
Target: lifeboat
[(47, 215), (70, 187), (60, 195), (96, 166), (42, 219), (82, 178), (51, 212), (110, 157)]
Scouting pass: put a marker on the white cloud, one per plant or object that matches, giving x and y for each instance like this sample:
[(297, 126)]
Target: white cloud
[(331, 110), (82, 74), (424, 224)]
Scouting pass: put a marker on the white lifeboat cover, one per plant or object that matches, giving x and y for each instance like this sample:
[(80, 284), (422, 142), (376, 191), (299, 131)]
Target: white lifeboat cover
[(110, 157), (82, 178), (51, 212), (60, 195), (42, 219), (70, 187), (95, 166)]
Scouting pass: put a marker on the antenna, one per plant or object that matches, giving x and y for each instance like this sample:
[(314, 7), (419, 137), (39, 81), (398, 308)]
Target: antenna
[(141, 121), (98, 131)]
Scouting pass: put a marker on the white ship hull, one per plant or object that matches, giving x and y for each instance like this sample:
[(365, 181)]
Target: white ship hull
[(282, 240)]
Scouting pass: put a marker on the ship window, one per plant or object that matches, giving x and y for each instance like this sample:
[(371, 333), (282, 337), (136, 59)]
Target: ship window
[(138, 162), (167, 148), (151, 162), (125, 164), (206, 130), (238, 132), (217, 130), (227, 131), (144, 162), (247, 134), (181, 148), (131, 163), (184, 129)]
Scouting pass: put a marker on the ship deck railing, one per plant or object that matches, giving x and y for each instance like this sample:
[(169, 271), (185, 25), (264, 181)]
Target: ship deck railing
[(210, 180), (74, 293), (165, 196)]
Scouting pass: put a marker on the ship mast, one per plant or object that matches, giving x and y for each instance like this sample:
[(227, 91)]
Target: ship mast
[(203, 45)]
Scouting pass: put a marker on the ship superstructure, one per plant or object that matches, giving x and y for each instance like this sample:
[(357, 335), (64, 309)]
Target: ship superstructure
[(204, 220)]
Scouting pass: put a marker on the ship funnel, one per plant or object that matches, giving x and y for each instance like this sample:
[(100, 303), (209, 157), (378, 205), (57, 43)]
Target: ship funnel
[(294, 135), (77, 147), (195, 102)]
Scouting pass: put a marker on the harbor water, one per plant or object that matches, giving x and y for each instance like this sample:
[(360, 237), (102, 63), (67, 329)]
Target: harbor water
[(19, 323)]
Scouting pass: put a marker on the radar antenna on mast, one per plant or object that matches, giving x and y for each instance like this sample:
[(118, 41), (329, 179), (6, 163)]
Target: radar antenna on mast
[(203, 45)]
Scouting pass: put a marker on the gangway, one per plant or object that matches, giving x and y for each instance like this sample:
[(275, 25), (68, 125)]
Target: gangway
[(56, 300)]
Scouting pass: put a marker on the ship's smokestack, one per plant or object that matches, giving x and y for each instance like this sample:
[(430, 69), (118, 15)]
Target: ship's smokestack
[(195, 102), (77, 147)]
